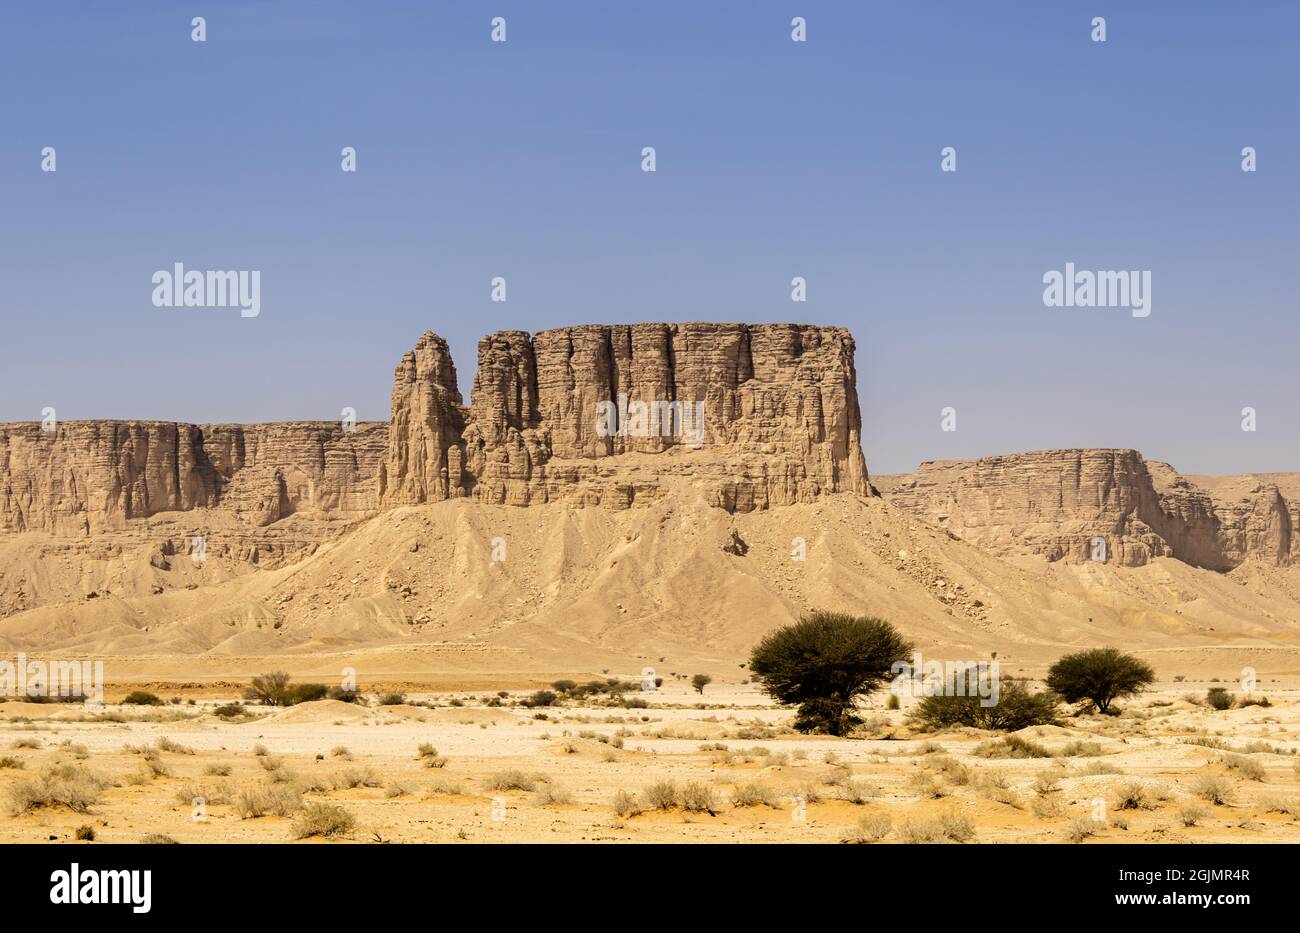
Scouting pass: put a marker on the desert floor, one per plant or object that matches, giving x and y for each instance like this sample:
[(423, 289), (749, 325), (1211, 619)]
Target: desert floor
[(1166, 770)]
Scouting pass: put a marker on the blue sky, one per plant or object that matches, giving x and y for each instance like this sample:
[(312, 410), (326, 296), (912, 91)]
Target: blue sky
[(775, 159)]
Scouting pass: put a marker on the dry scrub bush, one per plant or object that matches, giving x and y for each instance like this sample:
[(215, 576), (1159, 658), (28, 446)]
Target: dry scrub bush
[(871, 828), (1213, 788), (514, 780), (1248, 768), (755, 795), (951, 827), (626, 805), (70, 786), (551, 795), (323, 819)]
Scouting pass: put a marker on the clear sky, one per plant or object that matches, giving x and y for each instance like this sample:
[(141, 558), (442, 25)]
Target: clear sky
[(775, 159)]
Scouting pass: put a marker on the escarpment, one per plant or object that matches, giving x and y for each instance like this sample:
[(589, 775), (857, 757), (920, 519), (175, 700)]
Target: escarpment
[(1059, 503), (754, 415)]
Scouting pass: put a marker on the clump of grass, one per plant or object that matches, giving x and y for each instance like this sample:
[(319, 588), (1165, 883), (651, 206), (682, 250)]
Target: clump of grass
[(1134, 796), (698, 798), (158, 839), (1189, 814), (260, 750), (397, 789), (1248, 768), (951, 827), (513, 780), (551, 795), (349, 778), (85, 833), (70, 786), (9, 761), (1206, 741), (1046, 783), (27, 742), (1081, 750), (276, 799), (167, 745), (627, 805), (326, 820), (755, 794), (1289, 807), (953, 771), (924, 785), (1093, 768), (661, 795), (856, 792), (217, 770), (429, 755), (341, 751), (1213, 788), (1079, 829), (1011, 746), (1047, 808), (871, 827)]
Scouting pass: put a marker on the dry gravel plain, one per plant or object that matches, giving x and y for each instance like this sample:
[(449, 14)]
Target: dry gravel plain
[(1167, 769)]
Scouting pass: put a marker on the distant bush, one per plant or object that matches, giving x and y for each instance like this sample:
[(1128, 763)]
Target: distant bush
[(342, 694), (1098, 677), (871, 828), (306, 693), (392, 699), (700, 681), (158, 839), (323, 819), (229, 710), (70, 786), (86, 833), (1016, 708), (142, 698), (271, 689), (1219, 698), (540, 698), (1011, 746), (563, 686)]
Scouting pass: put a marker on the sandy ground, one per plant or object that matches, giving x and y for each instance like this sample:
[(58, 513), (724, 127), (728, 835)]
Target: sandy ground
[(731, 740)]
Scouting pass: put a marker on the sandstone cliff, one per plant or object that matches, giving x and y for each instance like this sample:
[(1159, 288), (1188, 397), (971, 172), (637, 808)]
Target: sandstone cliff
[(1054, 503), (778, 424)]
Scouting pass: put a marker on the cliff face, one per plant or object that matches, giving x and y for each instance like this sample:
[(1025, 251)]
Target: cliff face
[(770, 411), (88, 477), (1053, 503), (757, 415)]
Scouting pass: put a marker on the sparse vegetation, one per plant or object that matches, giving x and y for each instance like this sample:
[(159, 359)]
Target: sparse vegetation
[(323, 819)]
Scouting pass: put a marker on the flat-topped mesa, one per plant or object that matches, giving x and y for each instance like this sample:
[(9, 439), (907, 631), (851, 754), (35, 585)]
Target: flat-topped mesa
[(757, 415), (1055, 503)]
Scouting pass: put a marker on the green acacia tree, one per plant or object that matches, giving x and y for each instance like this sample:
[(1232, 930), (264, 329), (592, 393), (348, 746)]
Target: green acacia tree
[(1099, 677), (824, 662)]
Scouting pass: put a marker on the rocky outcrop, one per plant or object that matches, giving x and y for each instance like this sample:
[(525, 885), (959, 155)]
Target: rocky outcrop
[(425, 446), (757, 415), (1055, 503), (87, 477)]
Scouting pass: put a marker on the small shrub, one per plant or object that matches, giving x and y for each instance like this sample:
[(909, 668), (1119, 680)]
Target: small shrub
[(1190, 814), (661, 795), (550, 795), (167, 745), (1218, 698), (217, 770), (1079, 829), (1248, 768), (142, 698), (871, 827), (1213, 788), (698, 798), (755, 795), (85, 833), (1134, 796), (512, 780), (626, 805), (158, 839), (1011, 746), (323, 819)]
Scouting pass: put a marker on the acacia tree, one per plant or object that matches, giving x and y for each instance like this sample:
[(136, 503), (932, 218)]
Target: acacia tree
[(824, 662), (700, 681), (1098, 677)]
